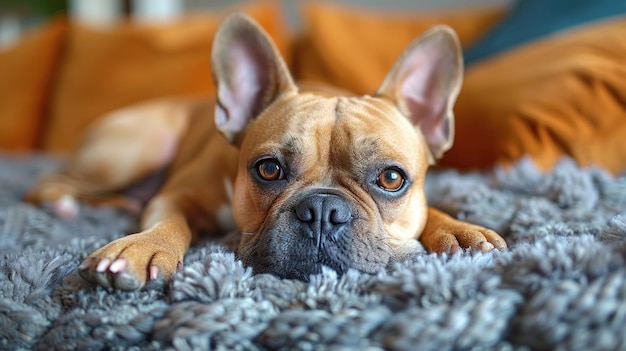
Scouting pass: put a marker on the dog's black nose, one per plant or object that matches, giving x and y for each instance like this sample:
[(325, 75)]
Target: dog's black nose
[(323, 214)]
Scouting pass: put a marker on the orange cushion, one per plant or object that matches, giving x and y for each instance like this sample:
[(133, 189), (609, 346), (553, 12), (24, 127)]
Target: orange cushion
[(562, 95), (353, 48), (107, 69), (26, 71)]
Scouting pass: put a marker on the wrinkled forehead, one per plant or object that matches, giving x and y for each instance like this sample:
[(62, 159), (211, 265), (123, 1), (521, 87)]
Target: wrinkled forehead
[(346, 129)]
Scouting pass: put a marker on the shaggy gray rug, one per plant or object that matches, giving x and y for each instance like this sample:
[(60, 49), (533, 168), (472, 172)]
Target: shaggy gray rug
[(561, 285)]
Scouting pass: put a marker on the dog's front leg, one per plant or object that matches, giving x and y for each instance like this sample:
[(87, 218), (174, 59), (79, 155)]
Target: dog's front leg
[(157, 251), (446, 234)]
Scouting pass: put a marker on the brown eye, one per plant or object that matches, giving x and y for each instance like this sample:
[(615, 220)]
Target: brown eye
[(390, 180), (269, 169)]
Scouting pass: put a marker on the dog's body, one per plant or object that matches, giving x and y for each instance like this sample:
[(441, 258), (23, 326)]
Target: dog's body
[(311, 179)]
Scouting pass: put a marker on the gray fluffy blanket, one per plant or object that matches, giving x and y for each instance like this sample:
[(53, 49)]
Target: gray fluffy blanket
[(561, 285)]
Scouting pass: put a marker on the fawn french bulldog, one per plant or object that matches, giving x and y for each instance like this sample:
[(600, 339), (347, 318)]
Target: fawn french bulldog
[(310, 178)]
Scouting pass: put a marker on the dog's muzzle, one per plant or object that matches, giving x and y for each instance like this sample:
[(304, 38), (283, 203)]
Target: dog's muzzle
[(322, 228)]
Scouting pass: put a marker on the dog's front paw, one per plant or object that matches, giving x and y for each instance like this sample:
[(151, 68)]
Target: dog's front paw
[(129, 262), (462, 236), (446, 234)]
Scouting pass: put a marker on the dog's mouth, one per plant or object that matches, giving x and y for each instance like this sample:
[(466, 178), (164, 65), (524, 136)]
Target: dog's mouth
[(290, 252), (299, 266), (302, 268)]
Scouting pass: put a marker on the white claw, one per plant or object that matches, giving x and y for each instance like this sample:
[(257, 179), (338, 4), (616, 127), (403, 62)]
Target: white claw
[(118, 266), (103, 265), (154, 272)]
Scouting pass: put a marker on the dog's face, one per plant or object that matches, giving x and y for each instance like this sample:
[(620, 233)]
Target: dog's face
[(329, 181), (332, 181)]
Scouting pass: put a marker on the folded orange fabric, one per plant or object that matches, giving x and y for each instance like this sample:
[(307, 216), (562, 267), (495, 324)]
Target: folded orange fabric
[(26, 72), (106, 69), (562, 95), (354, 48)]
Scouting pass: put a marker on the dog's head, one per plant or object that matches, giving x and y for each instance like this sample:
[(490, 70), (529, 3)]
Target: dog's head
[(328, 180)]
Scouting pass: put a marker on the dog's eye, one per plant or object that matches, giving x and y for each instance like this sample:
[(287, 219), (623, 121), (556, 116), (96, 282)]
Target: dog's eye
[(269, 169), (390, 179)]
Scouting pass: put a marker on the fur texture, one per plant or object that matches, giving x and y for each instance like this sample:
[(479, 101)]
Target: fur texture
[(561, 285)]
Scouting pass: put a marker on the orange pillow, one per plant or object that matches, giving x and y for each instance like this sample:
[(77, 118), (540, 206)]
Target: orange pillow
[(26, 72), (562, 95), (108, 69), (354, 49)]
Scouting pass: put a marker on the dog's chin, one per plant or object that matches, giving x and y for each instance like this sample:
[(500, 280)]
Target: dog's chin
[(294, 268), (283, 253), (299, 270)]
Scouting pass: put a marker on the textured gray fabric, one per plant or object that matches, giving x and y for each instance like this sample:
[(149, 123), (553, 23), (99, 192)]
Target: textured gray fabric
[(561, 285)]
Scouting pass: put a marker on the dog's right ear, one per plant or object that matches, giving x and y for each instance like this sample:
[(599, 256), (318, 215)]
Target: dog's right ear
[(249, 73)]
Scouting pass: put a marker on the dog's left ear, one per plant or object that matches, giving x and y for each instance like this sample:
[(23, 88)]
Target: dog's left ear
[(424, 84), (249, 73)]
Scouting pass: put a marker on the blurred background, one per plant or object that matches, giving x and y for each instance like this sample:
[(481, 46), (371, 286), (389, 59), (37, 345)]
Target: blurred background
[(64, 63), (543, 78), (16, 16)]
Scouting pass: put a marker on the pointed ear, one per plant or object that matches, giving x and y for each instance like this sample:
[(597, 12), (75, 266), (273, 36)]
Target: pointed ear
[(249, 73), (424, 84)]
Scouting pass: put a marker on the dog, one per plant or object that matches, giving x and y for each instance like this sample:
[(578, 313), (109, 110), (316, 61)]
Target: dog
[(307, 178)]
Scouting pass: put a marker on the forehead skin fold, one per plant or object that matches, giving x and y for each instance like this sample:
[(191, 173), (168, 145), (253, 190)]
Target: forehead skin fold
[(338, 131)]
